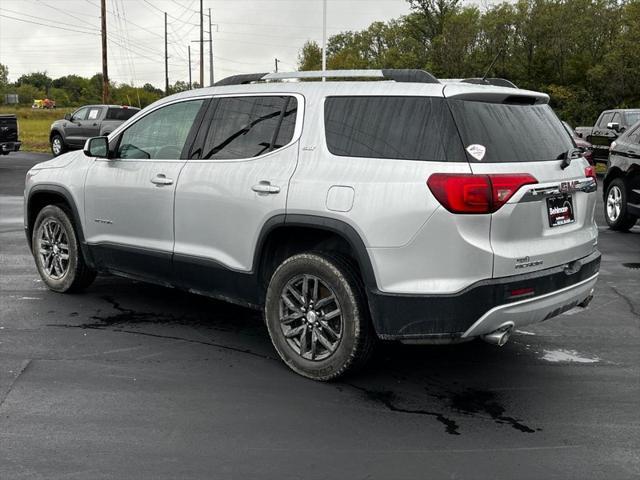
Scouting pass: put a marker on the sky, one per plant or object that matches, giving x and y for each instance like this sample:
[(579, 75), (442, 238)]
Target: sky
[(62, 37)]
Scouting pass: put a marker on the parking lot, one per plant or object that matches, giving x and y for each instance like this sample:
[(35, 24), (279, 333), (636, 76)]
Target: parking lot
[(129, 380)]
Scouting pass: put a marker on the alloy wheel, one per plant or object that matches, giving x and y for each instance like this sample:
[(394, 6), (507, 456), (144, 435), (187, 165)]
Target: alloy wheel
[(53, 249), (311, 317), (614, 203), (57, 146)]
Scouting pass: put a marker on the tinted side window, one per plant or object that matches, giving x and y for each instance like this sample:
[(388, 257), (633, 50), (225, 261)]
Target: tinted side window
[(405, 128), (160, 134), (634, 136), (246, 127), (121, 113), (616, 118), (632, 118), (606, 118)]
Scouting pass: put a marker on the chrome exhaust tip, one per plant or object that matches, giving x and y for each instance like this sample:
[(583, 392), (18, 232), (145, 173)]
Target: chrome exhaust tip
[(500, 336)]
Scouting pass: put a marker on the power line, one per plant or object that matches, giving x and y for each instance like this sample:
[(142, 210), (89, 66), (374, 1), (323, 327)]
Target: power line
[(47, 25)]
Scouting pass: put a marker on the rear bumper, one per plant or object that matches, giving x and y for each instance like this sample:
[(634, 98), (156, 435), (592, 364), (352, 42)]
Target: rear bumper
[(10, 146), (484, 306)]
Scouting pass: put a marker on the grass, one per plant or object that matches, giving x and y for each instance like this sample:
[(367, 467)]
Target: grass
[(35, 125)]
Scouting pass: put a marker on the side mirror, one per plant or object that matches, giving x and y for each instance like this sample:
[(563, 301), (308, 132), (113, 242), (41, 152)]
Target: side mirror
[(67, 116), (97, 147), (615, 126)]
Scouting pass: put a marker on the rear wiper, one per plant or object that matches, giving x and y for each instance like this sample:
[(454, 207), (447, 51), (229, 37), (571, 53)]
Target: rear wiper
[(569, 155)]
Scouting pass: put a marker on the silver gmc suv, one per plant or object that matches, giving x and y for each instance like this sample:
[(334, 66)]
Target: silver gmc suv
[(399, 208)]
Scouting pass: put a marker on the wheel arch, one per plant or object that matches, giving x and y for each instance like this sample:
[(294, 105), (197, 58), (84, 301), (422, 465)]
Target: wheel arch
[(283, 236), (53, 132), (612, 173), (42, 195)]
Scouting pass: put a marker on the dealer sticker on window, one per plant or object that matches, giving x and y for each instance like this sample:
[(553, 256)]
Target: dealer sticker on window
[(560, 210), (477, 151)]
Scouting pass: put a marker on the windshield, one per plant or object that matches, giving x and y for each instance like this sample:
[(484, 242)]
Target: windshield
[(510, 133)]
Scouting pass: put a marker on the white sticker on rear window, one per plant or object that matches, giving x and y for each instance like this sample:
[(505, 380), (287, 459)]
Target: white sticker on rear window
[(477, 151)]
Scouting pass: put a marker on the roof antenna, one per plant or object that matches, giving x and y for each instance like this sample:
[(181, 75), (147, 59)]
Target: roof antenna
[(495, 59)]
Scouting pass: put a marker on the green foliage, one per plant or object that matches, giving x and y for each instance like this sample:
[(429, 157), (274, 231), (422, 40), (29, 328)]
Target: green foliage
[(74, 91), (310, 57), (584, 53), (4, 75)]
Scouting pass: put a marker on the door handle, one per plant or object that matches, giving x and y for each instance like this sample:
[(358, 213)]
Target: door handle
[(265, 187), (161, 179)]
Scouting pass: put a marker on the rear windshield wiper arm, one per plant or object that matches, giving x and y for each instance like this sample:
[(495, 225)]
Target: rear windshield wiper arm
[(569, 155)]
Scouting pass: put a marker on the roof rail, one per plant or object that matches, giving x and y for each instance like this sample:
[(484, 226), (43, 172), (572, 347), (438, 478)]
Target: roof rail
[(240, 79), (496, 82), (398, 75)]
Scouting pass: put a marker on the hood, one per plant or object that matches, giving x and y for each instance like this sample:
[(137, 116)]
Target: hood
[(61, 161)]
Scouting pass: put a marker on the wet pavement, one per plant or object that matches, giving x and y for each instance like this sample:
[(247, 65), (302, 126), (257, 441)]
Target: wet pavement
[(129, 380)]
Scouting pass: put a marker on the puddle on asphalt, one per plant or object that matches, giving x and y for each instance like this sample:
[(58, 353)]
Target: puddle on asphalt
[(567, 356)]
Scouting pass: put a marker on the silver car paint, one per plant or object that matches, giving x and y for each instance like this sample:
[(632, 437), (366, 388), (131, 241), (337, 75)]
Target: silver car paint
[(212, 195), (415, 245)]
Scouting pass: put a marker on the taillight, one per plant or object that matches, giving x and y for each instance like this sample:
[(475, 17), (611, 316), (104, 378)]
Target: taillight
[(467, 193), (590, 171)]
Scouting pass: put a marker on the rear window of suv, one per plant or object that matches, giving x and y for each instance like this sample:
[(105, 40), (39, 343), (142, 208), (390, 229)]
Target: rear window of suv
[(393, 127), (511, 133)]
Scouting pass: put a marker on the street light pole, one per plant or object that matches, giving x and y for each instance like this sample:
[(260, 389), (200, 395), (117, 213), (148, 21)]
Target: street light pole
[(324, 37)]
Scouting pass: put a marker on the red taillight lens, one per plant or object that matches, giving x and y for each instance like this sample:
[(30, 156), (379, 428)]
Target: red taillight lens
[(590, 171), (467, 193)]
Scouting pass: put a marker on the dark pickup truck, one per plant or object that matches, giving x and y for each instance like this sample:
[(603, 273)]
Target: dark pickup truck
[(9, 134), (610, 124), (86, 122)]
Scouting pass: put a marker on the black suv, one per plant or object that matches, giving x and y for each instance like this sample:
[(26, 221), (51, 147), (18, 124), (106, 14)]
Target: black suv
[(622, 181)]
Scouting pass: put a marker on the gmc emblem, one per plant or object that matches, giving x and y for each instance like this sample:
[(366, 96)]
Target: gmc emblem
[(568, 186)]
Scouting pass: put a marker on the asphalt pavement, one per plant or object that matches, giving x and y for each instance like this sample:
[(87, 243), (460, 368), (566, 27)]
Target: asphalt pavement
[(136, 381)]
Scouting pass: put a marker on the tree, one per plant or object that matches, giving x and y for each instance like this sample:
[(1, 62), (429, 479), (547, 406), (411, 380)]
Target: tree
[(310, 57), (147, 87), (39, 80), (179, 86), (585, 70), (4, 75)]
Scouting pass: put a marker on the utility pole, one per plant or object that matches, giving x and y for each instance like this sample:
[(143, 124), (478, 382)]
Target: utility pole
[(166, 58), (189, 49), (210, 52), (276, 62), (201, 47), (105, 73), (324, 37)]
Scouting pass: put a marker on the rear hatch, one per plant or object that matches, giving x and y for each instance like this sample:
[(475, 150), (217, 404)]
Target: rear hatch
[(8, 128), (550, 221)]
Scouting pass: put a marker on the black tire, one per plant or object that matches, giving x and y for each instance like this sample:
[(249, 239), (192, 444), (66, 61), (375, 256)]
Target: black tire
[(58, 146), (335, 278), (53, 238), (615, 206)]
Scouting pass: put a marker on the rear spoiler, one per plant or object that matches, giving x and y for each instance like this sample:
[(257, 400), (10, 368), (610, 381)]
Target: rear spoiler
[(493, 94)]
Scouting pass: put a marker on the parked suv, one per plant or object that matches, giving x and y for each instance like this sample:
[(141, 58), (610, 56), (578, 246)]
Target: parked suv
[(89, 121), (347, 211), (622, 181)]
